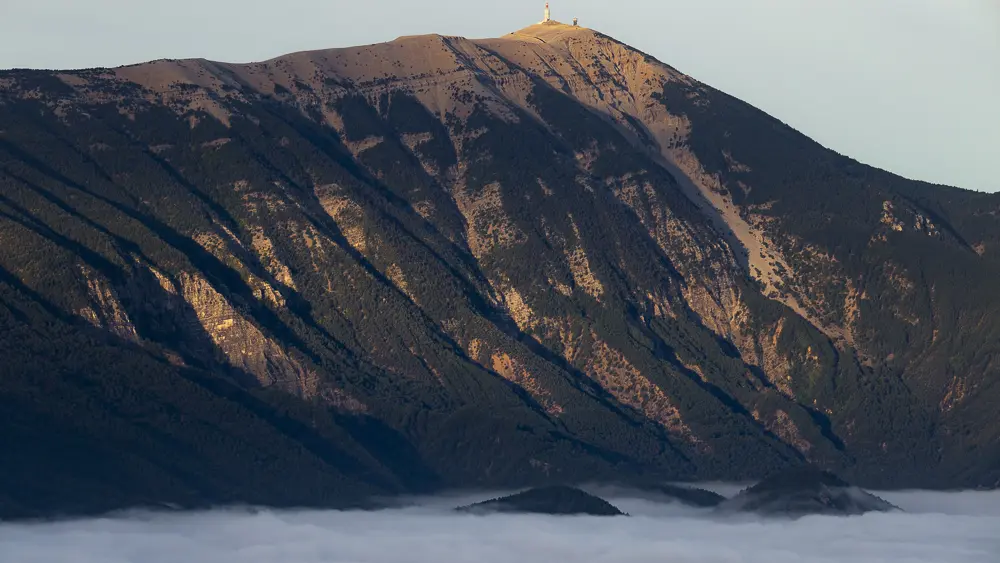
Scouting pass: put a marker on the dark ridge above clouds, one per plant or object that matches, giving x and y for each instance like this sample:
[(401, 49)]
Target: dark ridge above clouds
[(805, 491), (554, 500)]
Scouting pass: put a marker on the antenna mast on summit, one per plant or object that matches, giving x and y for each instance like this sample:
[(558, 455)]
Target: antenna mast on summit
[(548, 14)]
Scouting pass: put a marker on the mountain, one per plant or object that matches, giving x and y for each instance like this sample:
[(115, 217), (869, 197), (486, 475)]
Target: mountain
[(442, 262)]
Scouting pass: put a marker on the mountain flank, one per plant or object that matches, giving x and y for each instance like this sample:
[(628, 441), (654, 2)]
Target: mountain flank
[(442, 262)]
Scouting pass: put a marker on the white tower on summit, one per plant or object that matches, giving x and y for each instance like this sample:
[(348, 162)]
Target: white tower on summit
[(548, 17)]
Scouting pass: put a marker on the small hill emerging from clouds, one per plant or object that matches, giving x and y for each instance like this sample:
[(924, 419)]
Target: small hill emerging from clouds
[(690, 496), (559, 500), (804, 491)]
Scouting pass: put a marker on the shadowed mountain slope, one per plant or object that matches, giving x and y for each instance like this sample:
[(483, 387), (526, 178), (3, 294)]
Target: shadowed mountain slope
[(445, 262)]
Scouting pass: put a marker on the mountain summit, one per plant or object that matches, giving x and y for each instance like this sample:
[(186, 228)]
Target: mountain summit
[(545, 257)]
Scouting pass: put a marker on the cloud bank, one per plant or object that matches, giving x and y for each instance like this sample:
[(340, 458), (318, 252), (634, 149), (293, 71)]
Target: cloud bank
[(939, 528)]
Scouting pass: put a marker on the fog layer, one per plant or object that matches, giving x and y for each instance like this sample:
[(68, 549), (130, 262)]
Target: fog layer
[(938, 527)]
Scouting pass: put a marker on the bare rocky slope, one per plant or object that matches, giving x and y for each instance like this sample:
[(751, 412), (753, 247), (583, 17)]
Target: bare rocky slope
[(448, 262)]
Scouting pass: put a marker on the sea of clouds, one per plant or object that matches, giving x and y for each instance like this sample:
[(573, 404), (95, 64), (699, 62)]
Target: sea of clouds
[(936, 527)]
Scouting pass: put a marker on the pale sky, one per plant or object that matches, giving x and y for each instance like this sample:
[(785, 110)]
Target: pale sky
[(912, 86)]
